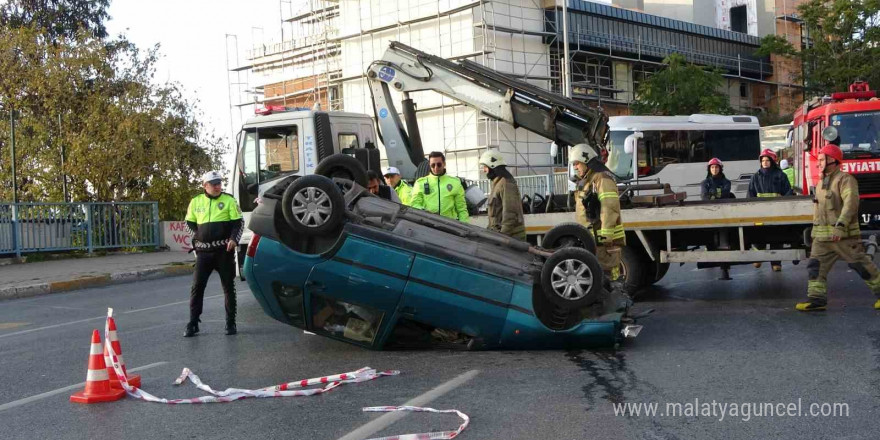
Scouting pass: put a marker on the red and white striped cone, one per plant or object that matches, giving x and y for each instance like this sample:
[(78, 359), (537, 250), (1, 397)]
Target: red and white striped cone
[(133, 379), (97, 381)]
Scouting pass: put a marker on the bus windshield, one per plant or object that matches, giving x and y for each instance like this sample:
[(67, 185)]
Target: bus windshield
[(660, 148), (859, 132)]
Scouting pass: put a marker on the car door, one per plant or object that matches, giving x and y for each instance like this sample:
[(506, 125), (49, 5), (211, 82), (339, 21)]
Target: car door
[(450, 296), (354, 294)]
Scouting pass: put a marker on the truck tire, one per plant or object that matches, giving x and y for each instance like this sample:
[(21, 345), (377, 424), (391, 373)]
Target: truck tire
[(569, 234), (636, 269), (572, 278), (313, 205), (662, 268), (343, 166)]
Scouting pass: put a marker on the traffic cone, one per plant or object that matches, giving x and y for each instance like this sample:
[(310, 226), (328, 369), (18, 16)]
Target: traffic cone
[(133, 379), (97, 382)]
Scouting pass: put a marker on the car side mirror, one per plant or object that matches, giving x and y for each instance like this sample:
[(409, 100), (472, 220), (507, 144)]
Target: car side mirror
[(629, 144)]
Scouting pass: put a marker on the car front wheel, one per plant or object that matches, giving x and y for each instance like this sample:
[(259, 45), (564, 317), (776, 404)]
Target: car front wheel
[(572, 278)]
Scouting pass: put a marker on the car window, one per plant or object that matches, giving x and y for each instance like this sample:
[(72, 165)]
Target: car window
[(356, 323), (348, 140)]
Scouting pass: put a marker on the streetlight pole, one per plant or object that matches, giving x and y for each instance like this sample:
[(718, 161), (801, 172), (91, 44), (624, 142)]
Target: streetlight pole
[(12, 152)]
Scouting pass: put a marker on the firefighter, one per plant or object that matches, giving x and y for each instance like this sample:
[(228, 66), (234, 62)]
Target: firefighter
[(769, 181), (716, 186), (598, 207), (836, 232), (393, 179), (214, 220), (505, 203), (439, 192)]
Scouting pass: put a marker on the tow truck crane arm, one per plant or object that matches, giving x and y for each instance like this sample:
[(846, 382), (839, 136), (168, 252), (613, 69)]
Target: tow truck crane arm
[(501, 97)]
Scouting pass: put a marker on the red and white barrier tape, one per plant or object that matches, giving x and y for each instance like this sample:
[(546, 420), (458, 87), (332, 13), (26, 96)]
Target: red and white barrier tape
[(233, 394), (427, 435)]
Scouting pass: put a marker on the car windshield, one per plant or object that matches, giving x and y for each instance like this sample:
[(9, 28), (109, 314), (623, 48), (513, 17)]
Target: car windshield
[(859, 132), (619, 162)]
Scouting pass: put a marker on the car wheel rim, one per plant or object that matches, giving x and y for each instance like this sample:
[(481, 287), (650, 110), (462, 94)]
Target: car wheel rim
[(571, 279), (312, 207)]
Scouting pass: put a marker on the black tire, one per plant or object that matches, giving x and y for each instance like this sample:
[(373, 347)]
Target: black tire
[(569, 234), (572, 261), (423, 169), (327, 211), (636, 269), (662, 268), (343, 166)]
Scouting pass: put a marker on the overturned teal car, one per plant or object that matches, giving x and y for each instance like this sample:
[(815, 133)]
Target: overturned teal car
[(329, 257)]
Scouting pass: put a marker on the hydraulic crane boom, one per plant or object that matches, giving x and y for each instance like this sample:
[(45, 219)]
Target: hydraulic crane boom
[(516, 102)]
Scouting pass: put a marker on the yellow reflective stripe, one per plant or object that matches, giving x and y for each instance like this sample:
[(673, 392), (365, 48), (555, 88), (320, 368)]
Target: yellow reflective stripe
[(613, 233), (768, 195), (816, 287), (605, 195), (846, 193)]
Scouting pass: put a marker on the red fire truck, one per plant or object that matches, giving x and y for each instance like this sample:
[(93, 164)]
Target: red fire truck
[(850, 120)]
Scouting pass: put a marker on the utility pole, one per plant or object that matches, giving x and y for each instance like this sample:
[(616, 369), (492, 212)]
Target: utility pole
[(63, 158), (566, 73), (12, 152)]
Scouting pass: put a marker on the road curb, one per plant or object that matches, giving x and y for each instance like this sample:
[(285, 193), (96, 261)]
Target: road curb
[(86, 282)]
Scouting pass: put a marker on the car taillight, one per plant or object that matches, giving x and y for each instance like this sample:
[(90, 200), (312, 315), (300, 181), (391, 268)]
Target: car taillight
[(252, 246)]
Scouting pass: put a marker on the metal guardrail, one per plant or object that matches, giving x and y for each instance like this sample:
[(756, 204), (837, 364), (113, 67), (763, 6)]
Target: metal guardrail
[(543, 184), (42, 227)]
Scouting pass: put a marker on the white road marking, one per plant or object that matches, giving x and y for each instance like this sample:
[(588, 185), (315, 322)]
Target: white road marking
[(388, 419), (22, 332), (41, 396)]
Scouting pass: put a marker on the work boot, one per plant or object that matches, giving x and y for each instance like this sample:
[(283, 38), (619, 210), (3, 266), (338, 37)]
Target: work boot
[(230, 328), (776, 267), (191, 329), (877, 305), (757, 265), (810, 306)]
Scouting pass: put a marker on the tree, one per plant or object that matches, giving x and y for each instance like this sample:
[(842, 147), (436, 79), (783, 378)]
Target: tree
[(844, 44), (127, 138), (57, 18), (681, 88)]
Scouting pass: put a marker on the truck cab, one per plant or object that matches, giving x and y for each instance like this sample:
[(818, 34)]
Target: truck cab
[(279, 142)]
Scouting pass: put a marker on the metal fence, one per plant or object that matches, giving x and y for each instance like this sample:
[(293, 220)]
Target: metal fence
[(543, 184), (41, 227)]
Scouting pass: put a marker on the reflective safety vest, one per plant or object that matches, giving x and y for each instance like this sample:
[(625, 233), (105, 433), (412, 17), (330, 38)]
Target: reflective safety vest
[(442, 195), (836, 203), (214, 221), (404, 192)]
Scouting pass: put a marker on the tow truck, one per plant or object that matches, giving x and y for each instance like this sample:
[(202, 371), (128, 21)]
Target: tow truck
[(663, 227)]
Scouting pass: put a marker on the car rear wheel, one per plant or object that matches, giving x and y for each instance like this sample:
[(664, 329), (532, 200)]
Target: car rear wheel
[(569, 235), (343, 166), (313, 205), (572, 278)]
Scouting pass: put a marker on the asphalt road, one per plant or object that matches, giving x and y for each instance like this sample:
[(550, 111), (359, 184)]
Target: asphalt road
[(733, 342)]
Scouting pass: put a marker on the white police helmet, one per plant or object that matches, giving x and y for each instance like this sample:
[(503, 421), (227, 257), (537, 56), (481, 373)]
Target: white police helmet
[(212, 177)]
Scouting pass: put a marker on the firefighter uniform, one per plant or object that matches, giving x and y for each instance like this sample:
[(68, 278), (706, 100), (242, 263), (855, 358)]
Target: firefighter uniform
[(213, 221), (404, 192), (442, 195), (835, 213), (505, 210), (600, 187)]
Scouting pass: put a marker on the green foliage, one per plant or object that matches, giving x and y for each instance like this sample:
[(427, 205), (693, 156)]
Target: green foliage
[(845, 44), (682, 88), (126, 137), (57, 19)]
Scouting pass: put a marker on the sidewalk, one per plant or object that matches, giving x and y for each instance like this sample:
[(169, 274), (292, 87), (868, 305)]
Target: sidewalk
[(31, 279)]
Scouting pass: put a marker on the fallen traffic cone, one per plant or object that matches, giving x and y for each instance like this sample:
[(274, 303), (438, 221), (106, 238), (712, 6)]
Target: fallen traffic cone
[(133, 379), (97, 382)]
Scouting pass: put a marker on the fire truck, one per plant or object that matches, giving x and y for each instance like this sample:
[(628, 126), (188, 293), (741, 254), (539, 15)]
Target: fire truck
[(850, 120)]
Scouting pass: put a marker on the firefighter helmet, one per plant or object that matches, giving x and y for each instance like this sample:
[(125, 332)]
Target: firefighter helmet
[(582, 153), (832, 151), (492, 159), (715, 161), (768, 153)]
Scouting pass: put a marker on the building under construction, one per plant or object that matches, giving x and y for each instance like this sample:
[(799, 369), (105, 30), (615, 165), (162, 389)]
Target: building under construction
[(326, 46)]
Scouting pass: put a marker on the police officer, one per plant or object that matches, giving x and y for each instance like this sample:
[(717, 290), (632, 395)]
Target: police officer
[(505, 203), (393, 179), (215, 222), (598, 207), (440, 193), (836, 232)]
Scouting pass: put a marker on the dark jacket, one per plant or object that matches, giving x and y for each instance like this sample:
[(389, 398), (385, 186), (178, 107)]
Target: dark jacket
[(714, 188), (770, 182)]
